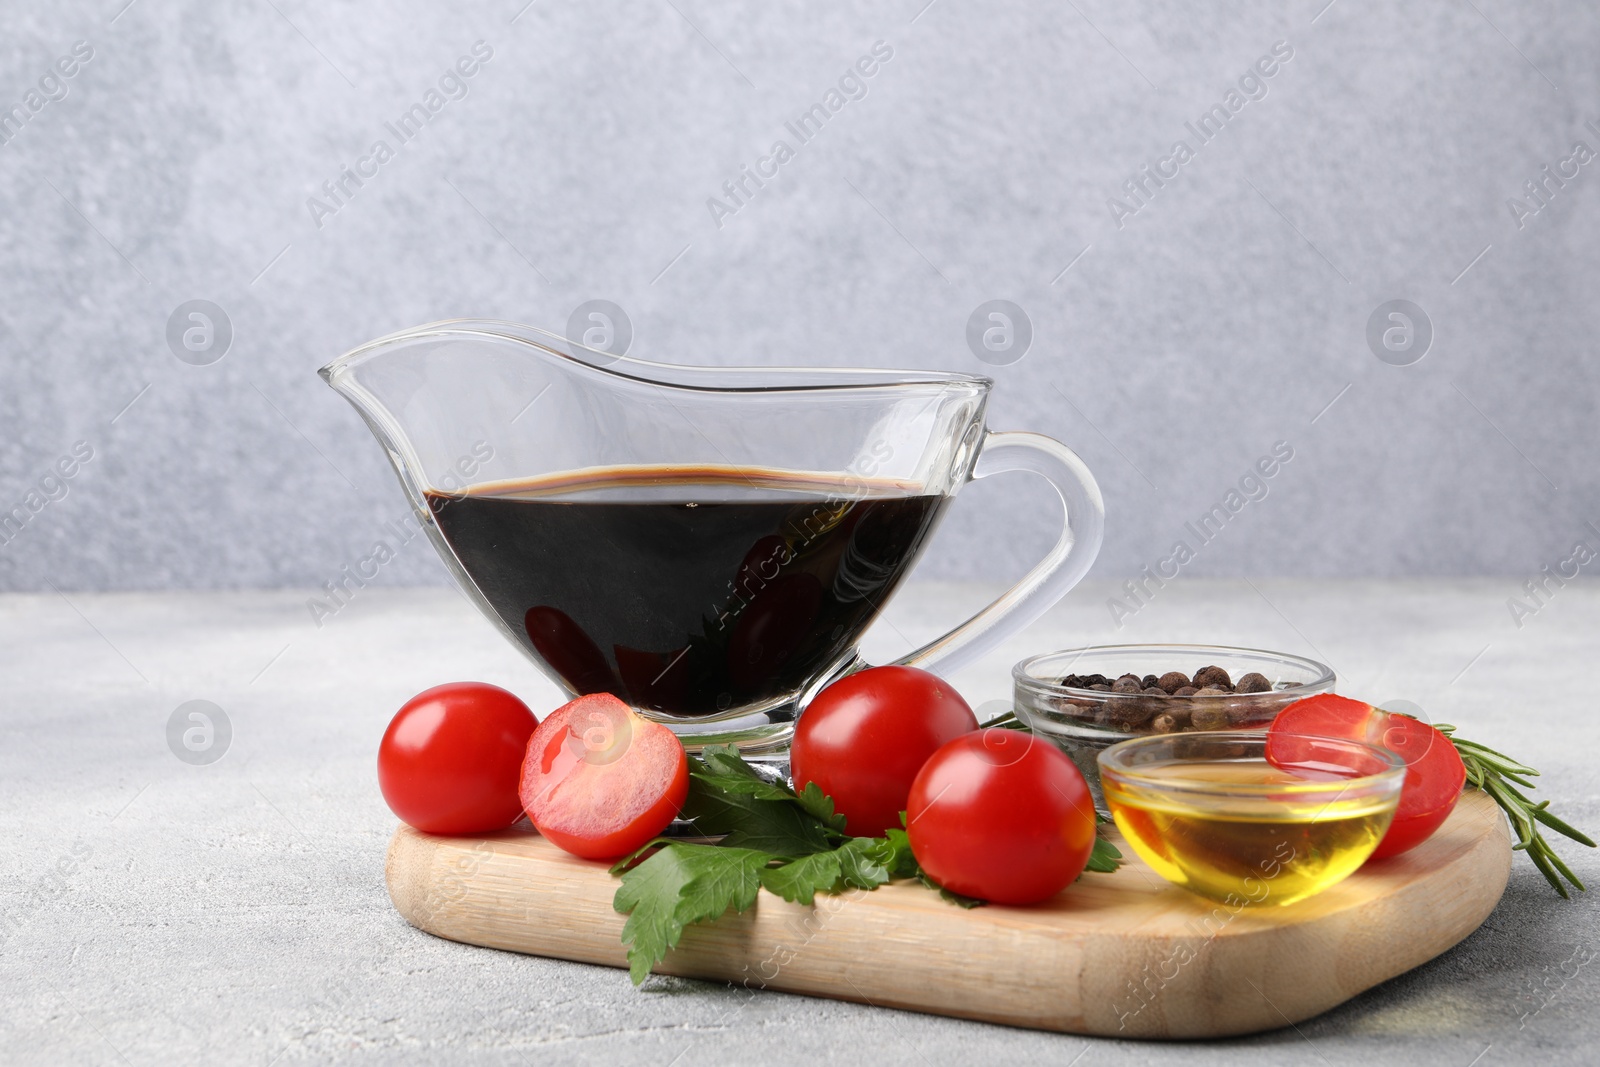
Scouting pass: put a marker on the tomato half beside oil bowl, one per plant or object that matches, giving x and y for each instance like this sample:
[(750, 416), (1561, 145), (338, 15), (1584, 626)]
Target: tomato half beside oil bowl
[(1435, 772)]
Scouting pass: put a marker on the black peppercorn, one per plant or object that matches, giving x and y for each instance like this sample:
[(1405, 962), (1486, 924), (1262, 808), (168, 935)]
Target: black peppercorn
[(1132, 714), (1173, 681), (1254, 682), (1240, 713), (1207, 717)]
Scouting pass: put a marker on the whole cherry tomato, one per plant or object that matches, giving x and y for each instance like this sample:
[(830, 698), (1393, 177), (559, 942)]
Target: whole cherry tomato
[(1434, 771), (450, 760), (864, 738), (600, 780), (1001, 815)]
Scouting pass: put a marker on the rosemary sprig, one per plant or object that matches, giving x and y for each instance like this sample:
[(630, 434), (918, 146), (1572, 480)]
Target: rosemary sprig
[(1498, 775), (1006, 720)]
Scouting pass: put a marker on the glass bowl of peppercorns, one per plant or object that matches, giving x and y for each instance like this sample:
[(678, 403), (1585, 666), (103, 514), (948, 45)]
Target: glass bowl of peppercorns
[(1087, 699)]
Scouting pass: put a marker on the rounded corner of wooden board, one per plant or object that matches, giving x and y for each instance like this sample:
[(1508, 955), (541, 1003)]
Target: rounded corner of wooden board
[(1121, 955)]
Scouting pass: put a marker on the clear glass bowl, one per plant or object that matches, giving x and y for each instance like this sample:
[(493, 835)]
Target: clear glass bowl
[(1083, 721), (1210, 812)]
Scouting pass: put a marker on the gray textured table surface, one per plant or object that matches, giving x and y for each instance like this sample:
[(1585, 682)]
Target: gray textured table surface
[(158, 912)]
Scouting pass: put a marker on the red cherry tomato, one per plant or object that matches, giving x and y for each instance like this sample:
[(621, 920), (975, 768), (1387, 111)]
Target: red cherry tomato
[(864, 738), (600, 780), (1001, 815), (1434, 771), (450, 760)]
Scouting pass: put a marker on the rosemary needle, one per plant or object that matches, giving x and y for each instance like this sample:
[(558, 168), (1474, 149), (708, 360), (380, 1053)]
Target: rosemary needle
[(1498, 775)]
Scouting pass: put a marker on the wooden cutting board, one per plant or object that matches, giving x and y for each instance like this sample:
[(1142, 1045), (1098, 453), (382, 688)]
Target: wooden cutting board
[(1124, 954)]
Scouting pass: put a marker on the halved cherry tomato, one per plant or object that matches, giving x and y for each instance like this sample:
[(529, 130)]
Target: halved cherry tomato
[(601, 780), (864, 738), (450, 761), (1434, 771), (1001, 815)]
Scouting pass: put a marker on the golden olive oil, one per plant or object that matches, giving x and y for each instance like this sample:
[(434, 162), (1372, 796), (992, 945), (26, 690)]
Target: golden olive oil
[(1266, 848)]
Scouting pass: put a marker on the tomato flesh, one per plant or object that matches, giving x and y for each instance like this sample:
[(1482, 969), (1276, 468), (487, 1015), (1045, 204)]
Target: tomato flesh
[(450, 761), (864, 738), (1434, 771), (1001, 815), (600, 780)]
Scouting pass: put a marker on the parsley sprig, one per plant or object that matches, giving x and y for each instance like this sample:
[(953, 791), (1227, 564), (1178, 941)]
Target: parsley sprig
[(771, 837), (1500, 776)]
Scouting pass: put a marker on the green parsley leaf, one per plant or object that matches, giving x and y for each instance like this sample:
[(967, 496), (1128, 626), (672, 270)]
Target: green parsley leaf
[(778, 827), (801, 880), (724, 761), (856, 863), (758, 788), (819, 806), (680, 885), (721, 768), (1105, 859), (954, 898), (894, 853), (627, 861), (862, 862)]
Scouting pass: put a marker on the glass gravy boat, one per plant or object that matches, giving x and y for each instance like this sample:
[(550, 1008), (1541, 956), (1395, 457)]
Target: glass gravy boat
[(708, 543)]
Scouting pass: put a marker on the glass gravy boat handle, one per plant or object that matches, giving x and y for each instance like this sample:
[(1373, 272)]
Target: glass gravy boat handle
[(1083, 526)]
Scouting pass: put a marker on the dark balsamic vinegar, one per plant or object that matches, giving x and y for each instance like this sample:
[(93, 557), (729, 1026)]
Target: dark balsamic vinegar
[(688, 591)]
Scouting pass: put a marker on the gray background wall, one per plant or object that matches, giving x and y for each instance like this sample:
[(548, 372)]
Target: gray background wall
[(1227, 314)]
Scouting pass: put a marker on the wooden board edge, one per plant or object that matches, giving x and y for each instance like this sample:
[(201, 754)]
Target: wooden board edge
[(441, 886), (1254, 990)]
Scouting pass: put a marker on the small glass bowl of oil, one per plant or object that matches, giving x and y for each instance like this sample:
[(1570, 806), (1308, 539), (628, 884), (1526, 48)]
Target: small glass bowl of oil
[(1210, 812)]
